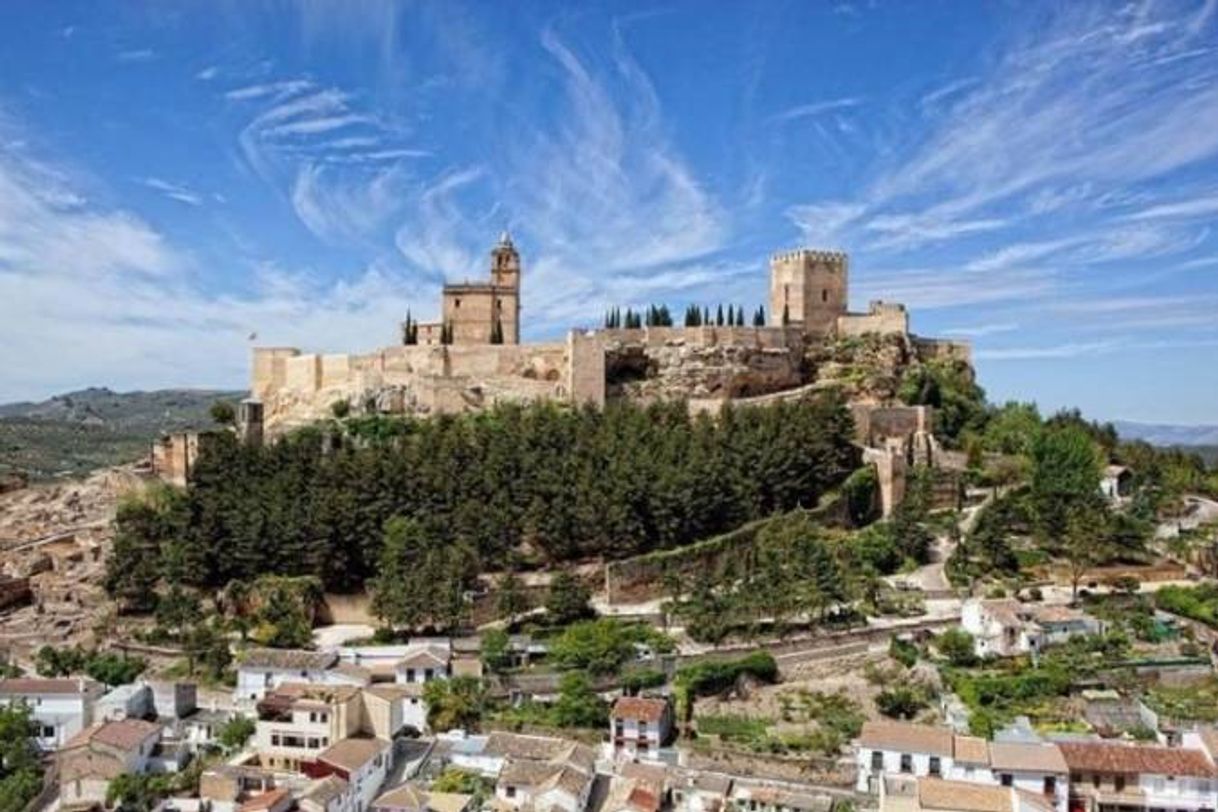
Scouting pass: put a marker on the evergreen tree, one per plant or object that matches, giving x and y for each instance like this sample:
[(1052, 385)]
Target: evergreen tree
[(512, 600), (567, 599), (394, 600), (719, 316), (759, 317)]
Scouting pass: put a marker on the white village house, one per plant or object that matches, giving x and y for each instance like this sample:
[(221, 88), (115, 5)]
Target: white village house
[(60, 708)]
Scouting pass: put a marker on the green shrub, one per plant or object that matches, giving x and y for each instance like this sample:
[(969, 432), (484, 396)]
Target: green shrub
[(903, 651)]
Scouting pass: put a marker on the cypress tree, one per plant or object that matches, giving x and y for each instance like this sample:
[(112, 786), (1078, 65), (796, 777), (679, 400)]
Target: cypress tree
[(719, 316)]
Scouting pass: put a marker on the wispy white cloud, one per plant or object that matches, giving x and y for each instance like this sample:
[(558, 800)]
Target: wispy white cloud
[(96, 294), (174, 191), (946, 91), (936, 288), (208, 73), (815, 109), (1192, 208), (1020, 254), (1054, 351), (342, 166), (898, 231), (981, 330), (136, 55)]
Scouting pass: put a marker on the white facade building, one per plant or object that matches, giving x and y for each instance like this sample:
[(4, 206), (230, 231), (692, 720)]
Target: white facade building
[(261, 670), (639, 726), (61, 708)]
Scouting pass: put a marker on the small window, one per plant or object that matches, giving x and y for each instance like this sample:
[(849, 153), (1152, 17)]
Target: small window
[(510, 792), (456, 303), (1118, 783), (1006, 779), (906, 763), (877, 760), (824, 295), (1050, 785), (936, 767)]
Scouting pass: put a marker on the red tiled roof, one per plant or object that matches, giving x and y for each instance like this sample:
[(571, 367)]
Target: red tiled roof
[(907, 737), (43, 687), (126, 734), (638, 707), (1104, 757), (266, 800)]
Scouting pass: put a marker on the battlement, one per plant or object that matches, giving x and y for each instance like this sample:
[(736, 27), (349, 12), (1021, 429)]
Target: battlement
[(810, 255), (810, 288), (879, 307)]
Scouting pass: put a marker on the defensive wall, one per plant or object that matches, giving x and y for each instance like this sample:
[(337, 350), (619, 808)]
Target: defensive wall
[(298, 387), (882, 318)]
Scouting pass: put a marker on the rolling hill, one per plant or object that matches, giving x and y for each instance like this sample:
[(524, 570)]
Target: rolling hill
[(74, 433)]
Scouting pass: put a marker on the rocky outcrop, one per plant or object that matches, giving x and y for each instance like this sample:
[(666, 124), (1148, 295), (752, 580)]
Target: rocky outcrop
[(682, 369)]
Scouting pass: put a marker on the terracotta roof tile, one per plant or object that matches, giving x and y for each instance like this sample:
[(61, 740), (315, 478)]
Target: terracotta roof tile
[(45, 687), (1028, 757), (126, 734), (638, 707), (971, 750), (907, 737), (1105, 757), (265, 800), (287, 659), (936, 793), (351, 754)]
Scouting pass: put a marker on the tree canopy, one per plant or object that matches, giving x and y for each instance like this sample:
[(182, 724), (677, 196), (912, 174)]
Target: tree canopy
[(561, 483)]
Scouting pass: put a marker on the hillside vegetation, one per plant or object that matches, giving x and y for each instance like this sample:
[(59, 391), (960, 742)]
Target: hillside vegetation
[(74, 433), (533, 484)]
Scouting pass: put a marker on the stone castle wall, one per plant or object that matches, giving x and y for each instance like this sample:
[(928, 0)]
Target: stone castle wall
[(932, 349), (297, 388), (811, 288), (881, 318), (704, 365)]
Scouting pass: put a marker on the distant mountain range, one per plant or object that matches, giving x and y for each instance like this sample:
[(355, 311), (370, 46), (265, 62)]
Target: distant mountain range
[(1168, 435), (79, 431)]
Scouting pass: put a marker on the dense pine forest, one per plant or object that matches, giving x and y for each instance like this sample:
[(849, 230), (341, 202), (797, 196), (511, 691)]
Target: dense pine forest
[(516, 485)]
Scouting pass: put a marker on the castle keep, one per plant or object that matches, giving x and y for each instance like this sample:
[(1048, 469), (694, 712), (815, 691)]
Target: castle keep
[(472, 357)]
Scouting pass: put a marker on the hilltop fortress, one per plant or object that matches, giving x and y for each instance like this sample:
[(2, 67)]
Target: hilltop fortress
[(473, 358)]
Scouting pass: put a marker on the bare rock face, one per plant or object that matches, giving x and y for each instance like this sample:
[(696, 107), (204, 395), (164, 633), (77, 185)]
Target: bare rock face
[(676, 369), (868, 368)]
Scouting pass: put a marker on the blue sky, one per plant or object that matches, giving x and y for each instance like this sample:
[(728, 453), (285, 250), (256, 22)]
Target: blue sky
[(1038, 178)]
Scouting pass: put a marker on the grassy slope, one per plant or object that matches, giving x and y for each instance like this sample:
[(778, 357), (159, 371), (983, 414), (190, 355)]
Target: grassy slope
[(77, 432)]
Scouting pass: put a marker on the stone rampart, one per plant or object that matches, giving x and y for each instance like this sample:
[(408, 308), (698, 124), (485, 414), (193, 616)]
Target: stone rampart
[(298, 388), (935, 349), (882, 318)]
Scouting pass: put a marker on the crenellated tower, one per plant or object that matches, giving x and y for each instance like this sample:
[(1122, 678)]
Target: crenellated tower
[(811, 288)]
